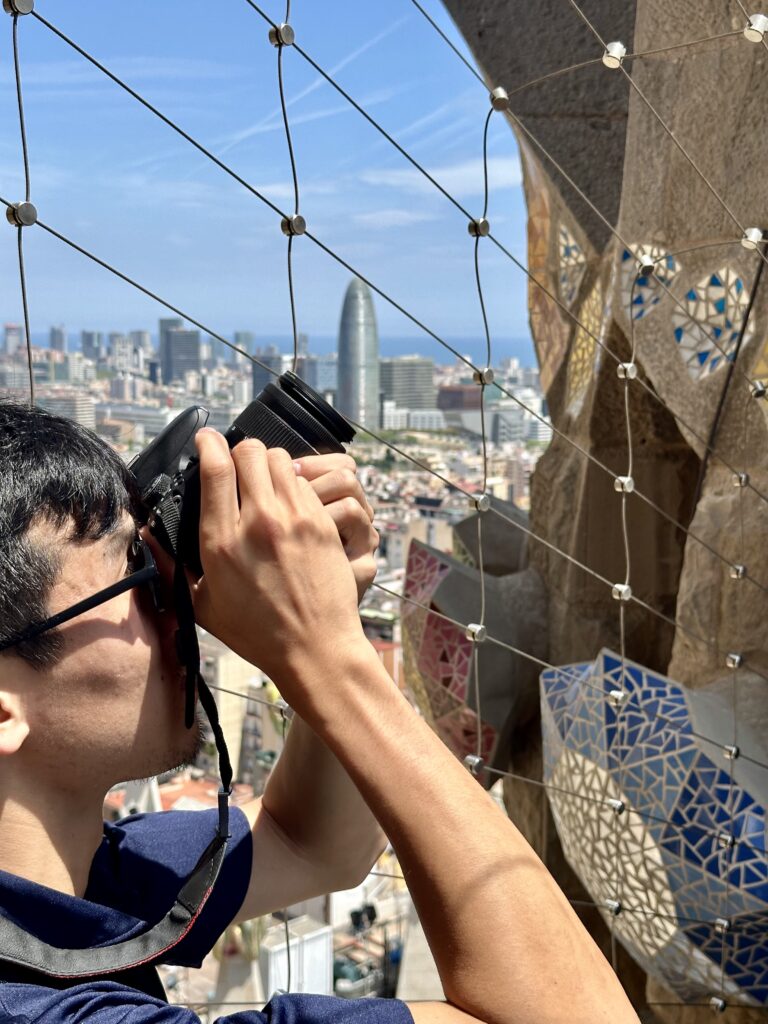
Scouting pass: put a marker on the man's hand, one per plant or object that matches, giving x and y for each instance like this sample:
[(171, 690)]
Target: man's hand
[(334, 481), (277, 587)]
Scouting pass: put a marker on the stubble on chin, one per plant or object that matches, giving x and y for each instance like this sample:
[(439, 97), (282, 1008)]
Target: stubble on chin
[(186, 755)]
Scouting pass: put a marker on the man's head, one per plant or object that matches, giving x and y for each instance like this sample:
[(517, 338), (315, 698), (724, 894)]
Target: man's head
[(101, 698)]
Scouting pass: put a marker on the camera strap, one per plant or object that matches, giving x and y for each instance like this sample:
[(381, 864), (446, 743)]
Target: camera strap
[(28, 953), (24, 950)]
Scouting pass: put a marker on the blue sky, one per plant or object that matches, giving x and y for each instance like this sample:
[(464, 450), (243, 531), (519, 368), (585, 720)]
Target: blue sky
[(111, 176)]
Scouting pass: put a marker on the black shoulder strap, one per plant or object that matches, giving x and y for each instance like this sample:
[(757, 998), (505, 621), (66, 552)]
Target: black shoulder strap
[(145, 979), (18, 947)]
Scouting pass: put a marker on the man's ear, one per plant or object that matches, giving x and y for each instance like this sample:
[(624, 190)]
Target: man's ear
[(14, 727)]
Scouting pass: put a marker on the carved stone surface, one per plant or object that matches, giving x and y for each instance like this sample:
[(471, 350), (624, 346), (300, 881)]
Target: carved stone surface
[(681, 326)]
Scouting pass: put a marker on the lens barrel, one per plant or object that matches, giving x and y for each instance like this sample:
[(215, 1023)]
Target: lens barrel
[(286, 414)]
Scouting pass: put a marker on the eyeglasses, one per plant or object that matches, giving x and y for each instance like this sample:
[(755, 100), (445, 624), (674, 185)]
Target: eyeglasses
[(144, 571)]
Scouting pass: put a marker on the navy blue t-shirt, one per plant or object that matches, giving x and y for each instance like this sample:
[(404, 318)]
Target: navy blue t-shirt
[(135, 876)]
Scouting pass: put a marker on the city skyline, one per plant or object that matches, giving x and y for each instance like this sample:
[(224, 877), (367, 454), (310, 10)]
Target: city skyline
[(114, 179), (391, 346)]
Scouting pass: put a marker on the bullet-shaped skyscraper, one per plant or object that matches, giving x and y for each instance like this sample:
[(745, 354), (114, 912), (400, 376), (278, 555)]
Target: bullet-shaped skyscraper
[(358, 388)]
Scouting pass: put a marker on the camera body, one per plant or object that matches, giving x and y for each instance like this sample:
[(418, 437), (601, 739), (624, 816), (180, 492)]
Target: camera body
[(287, 413)]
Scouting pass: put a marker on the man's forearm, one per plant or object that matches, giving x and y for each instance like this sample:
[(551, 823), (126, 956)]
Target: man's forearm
[(506, 943), (315, 803)]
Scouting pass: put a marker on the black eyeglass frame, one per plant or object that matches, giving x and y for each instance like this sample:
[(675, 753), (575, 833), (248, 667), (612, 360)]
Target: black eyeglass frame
[(148, 573)]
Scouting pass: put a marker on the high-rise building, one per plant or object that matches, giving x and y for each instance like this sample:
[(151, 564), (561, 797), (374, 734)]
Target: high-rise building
[(142, 340), (74, 405), (272, 358), (243, 340), (57, 339), (183, 351), (408, 381), (358, 390), (121, 352), (92, 344), (321, 372), (167, 324), (13, 338)]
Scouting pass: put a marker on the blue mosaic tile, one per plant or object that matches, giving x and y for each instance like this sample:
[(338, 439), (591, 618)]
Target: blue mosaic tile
[(680, 801)]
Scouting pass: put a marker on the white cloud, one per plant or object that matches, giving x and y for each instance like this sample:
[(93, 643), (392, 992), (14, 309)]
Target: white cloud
[(79, 73), (379, 220), (232, 140), (460, 179)]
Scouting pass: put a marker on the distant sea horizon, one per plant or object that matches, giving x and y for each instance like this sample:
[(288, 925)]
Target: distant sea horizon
[(473, 347)]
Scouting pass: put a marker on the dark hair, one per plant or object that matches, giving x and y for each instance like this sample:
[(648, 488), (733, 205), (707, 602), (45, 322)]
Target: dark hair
[(56, 471)]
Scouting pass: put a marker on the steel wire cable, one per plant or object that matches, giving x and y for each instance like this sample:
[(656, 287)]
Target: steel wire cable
[(665, 127), (564, 671), (709, 337), (612, 228), (746, 15), (294, 175), (212, 334), (481, 380), (383, 294), (472, 70), (727, 382), (593, 61), (154, 110), (27, 195), (405, 312), (226, 342), (528, 780), (254, 359)]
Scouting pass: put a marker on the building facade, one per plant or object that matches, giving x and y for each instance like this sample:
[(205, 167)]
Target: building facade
[(358, 390), (408, 381)]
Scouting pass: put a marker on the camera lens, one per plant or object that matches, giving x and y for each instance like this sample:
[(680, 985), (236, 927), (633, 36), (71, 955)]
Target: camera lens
[(289, 414)]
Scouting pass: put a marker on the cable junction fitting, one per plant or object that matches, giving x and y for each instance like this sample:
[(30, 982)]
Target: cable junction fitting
[(617, 697), (734, 660), (282, 35), (474, 764), (499, 99), (484, 376), (738, 572), (282, 705), (480, 502), (614, 55), (18, 6), (725, 840), (717, 1004), (479, 228), (295, 225), (731, 752), (740, 479), (722, 924), (21, 215), (613, 907), (617, 806), (759, 389), (756, 28), (626, 371), (624, 484), (476, 632), (751, 238), (621, 592), (646, 264)]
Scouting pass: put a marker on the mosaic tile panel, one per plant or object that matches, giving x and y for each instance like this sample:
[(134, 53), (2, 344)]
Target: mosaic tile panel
[(662, 858), (716, 308), (548, 326), (573, 265), (437, 659), (584, 354), (638, 302)]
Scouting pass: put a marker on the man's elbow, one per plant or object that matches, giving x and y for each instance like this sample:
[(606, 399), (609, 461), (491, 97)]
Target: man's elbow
[(355, 868)]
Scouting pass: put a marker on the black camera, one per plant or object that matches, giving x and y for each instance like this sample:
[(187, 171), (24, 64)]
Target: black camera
[(286, 414)]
